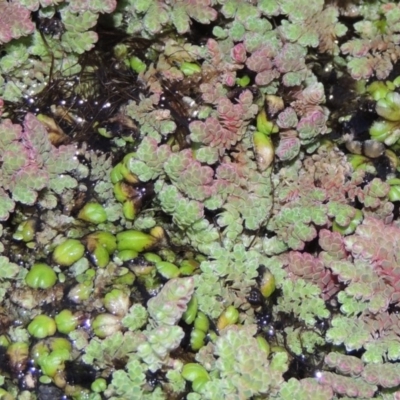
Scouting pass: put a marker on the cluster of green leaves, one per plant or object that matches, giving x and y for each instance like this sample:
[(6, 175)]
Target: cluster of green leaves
[(8, 271), (150, 17), (169, 305), (226, 270), (136, 318), (185, 212), (186, 189), (212, 194), (149, 159), (246, 25), (300, 29), (99, 172), (189, 176), (128, 383), (301, 341), (304, 300), (241, 367), (144, 350), (28, 61), (295, 222), (378, 27), (103, 352), (154, 123)]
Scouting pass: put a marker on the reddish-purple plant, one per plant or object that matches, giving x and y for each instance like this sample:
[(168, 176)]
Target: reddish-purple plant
[(29, 162), (15, 21), (312, 269), (225, 130)]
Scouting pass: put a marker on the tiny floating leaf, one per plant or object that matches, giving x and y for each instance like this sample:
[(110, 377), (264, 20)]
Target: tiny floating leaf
[(264, 150)]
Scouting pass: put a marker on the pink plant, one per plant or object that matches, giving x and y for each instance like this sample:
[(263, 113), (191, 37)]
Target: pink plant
[(260, 61), (312, 269), (30, 162), (227, 129), (238, 53), (15, 21)]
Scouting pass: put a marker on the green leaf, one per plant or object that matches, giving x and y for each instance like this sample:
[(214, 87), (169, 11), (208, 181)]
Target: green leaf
[(115, 347), (141, 6), (29, 181), (12, 92), (79, 42), (8, 270), (160, 342), (61, 183), (220, 33), (237, 31), (208, 290), (136, 318), (176, 381), (360, 68), (16, 56), (294, 79), (303, 299), (6, 205), (187, 212), (378, 188), (180, 19), (149, 160), (350, 306), (171, 302), (129, 384), (79, 22), (351, 332), (291, 31), (156, 17), (304, 232), (269, 7), (393, 349)]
